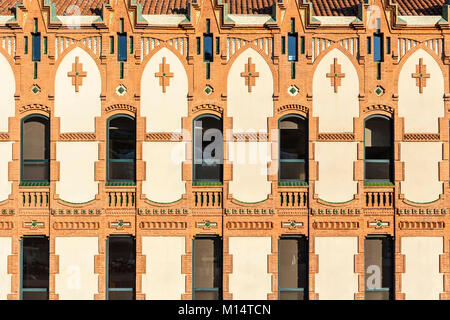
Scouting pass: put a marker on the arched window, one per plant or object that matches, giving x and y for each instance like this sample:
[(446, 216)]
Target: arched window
[(208, 149), (293, 141), (378, 149), (35, 149), (121, 154)]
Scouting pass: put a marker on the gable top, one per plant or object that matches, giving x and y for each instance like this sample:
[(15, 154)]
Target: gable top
[(320, 7)]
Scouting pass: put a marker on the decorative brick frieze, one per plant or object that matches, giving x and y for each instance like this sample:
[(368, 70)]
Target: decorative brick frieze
[(421, 225), (421, 137), (72, 225), (247, 225), (335, 225), (164, 137), (336, 137), (162, 225), (77, 136)]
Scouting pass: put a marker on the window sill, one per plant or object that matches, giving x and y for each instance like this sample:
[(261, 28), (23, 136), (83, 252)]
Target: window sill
[(34, 184), (378, 184), (292, 183), (206, 184), (120, 184)]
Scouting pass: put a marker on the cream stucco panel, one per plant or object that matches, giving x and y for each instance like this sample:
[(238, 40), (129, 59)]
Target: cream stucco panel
[(163, 111), (5, 278), (8, 85), (250, 110), (250, 170), (77, 168), (5, 185), (163, 279), (421, 162), (422, 280), (421, 110), (164, 171), (335, 110), (76, 279), (78, 110), (250, 279), (336, 279), (336, 162)]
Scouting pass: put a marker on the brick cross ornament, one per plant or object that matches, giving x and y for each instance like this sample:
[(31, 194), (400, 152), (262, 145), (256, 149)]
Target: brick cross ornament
[(164, 75), (250, 75), (77, 74), (335, 75), (421, 75)]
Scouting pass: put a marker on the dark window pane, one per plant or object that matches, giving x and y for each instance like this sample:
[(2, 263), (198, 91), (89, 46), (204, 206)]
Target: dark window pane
[(122, 262), (36, 139), (378, 263), (292, 295), (378, 132), (122, 146), (207, 263), (122, 47), (208, 48), (122, 138), (292, 47), (122, 170), (293, 272), (208, 149), (121, 295), (378, 170), (206, 295), (35, 262), (378, 146), (35, 295), (36, 50), (377, 47), (292, 170), (36, 171), (293, 138)]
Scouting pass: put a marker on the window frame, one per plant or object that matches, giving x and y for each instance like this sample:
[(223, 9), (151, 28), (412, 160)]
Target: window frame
[(219, 241), (22, 160), (107, 288), (108, 160), (300, 238), (21, 264), (194, 177), (390, 161), (305, 160)]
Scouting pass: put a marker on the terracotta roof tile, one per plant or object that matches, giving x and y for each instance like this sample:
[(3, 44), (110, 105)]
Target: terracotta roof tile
[(420, 7), (320, 7), (249, 6), (336, 7)]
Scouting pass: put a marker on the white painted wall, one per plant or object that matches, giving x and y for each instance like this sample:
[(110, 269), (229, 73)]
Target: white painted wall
[(5, 185), (163, 111), (336, 176), (250, 170), (5, 278), (76, 279), (336, 279), (77, 110), (335, 110), (250, 279), (422, 280), (8, 85), (421, 161), (77, 168), (163, 279), (421, 111), (250, 110), (163, 170)]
